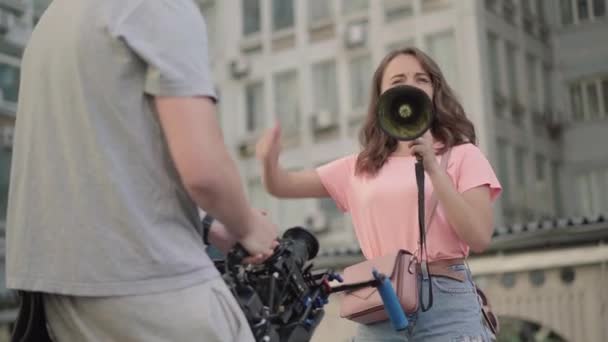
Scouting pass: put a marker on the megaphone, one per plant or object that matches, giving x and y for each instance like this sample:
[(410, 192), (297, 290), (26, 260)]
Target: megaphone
[(405, 112)]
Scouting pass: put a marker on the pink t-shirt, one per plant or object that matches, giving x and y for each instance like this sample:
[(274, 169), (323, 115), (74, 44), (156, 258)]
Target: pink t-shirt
[(384, 208)]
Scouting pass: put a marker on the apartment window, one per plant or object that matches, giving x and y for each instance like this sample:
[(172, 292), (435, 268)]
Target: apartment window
[(557, 188), (577, 102), (286, 100), (540, 10), (517, 110), (532, 81), (540, 167), (599, 8), (251, 16), (502, 148), (442, 48), (360, 71), (567, 13), (592, 191), (605, 95), (548, 86), (582, 7), (397, 9), (525, 5), (593, 100), (282, 14), (495, 73), (512, 71), (434, 5), (325, 87), (589, 99), (255, 109), (5, 170), (319, 11), (9, 82), (575, 11), (520, 166), (508, 11), (352, 6)]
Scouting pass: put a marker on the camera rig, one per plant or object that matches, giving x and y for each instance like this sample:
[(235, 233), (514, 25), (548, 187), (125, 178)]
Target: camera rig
[(282, 298)]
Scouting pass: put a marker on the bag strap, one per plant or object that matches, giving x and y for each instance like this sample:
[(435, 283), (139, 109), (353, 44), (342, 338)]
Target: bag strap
[(434, 201)]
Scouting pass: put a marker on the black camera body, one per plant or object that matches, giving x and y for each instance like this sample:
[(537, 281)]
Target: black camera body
[(282, 298)]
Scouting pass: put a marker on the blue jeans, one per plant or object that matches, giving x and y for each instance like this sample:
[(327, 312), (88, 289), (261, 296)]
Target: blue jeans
[(454, 317)]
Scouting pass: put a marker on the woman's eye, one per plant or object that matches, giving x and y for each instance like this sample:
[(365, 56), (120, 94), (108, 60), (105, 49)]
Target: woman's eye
[(423, 80)]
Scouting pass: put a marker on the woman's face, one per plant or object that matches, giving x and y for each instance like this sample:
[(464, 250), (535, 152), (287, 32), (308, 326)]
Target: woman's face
[(406, 70)]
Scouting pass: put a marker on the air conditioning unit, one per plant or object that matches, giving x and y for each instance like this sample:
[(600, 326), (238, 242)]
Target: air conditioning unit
[(356, 34), (323, 119), (317, 221), (239, 67), (6, 136)]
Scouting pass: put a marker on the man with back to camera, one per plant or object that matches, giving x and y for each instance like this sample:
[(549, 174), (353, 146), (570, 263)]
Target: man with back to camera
[(116, 146)]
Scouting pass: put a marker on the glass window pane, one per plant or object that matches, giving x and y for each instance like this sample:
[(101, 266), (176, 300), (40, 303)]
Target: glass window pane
[(540, 9), (254, 98), (532, 82), (350, 6), (512, 71), (520, 166), (319, 10), (557, 192), (593, 100), (503, 168), (5, 168), (583, 185), (442, 48), (397, 9), (251, 16), (605, 95), (286, 100), (9, 82), (325, 87), (583, 9), (566, 11), (360, 81), (548, 86), (577, 102), (494, 62), (599, 8), (282, 14), (540, 168)]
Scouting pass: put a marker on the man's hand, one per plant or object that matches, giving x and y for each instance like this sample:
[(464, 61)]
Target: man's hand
[(221, 238), (261, 239)]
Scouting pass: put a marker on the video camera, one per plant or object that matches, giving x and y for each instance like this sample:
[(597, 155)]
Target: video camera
[(282, 298)]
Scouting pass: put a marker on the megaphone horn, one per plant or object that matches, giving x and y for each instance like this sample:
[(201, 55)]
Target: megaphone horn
[(405, 112)]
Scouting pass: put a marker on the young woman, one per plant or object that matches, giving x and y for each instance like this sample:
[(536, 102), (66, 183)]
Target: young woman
[(377, 187)]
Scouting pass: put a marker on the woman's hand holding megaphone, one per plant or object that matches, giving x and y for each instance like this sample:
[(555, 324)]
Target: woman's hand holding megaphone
[(423, 149)]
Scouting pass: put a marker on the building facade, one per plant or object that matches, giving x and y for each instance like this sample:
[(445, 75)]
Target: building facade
[(527, 72)]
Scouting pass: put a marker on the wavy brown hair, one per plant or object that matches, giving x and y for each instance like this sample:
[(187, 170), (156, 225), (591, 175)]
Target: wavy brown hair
[(450, 126)]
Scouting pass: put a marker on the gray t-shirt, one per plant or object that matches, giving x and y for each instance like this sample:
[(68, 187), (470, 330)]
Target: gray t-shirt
[(96, 207)]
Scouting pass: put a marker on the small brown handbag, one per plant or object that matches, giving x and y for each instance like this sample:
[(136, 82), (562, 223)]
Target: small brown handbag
[(364, 305)]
